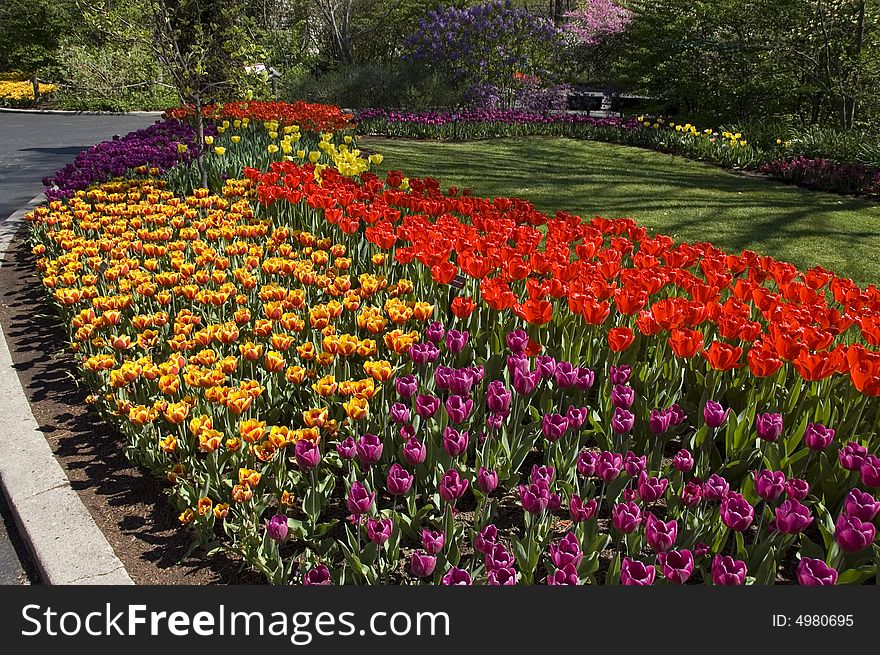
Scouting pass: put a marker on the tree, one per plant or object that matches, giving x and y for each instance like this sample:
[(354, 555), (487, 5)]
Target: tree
[(203, 46)]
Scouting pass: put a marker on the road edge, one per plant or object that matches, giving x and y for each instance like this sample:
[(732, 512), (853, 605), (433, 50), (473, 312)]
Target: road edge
[(67, 545), (74, 112)]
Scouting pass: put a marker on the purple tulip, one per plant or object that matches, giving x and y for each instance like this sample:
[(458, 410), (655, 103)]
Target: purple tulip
[(768, 426), (499, 558), (714, 414), (659, 421), (691, 494), (554, 426), (347, 448), (433, 541), (580, 511), (620, 374), (585, 379), (633, 464), (435, 332), (817, 436), (626, 517), (460, 381), (452, 486), (542, 475), (677, 565), (379, 530), (797, 489), (769, 485), (369, 449), (716, 487), (414, 451), (307, 454), (815, 572), (534, 497), (623, 396), (456, 340), (565, 375), (442, 375), (576, 416), (608, 466), (517, 341), (870, 471), (701, 549), (853, 534), (547, 366), (566, 552), (423, 354), (455, 442), (651, 489), (517, 362), (456, 577), (683, 461), (317, 576), (399, 413), (498, 398), (487, 480), (277, 527), (676, 414), (660, 536), (792, 517), (861, 504), (359, 500), (407, 386), (852, 456), (622, 420), (459, 408), (564, 576), (635, 573), (486, 539), (399, 480), (501, 577), (586, 463), (554, 502), (427, 406), (727, 571), (736, 512), (524, 382), (495, 421), (421, 564)]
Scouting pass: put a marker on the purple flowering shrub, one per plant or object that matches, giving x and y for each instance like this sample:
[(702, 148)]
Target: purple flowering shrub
[(153, 147), (486, 45)]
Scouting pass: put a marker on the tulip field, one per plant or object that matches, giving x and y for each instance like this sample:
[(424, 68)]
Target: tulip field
[(354, 378)]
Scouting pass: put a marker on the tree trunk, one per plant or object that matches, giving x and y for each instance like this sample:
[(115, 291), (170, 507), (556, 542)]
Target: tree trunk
[(200, 129)]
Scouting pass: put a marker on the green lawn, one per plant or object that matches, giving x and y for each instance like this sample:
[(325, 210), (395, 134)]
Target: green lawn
[(687, 200)]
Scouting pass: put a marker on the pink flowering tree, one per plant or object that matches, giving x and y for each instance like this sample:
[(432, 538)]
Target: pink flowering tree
[(596, 20)]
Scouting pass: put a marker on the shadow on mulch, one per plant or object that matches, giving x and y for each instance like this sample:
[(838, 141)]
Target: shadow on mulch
[(127, 503)]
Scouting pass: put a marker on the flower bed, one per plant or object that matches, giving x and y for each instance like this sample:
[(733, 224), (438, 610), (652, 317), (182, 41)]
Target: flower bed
[(20, 93), (353, 379), (726, 148)]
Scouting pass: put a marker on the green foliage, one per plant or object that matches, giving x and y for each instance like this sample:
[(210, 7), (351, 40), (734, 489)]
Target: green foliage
[(31, 32), (111, 78), (814, 59)]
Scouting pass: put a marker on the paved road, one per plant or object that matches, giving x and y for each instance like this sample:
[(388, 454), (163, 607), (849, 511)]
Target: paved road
[(33, 146)]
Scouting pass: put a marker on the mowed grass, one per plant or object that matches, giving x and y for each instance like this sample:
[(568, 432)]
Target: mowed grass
[(687, 200)]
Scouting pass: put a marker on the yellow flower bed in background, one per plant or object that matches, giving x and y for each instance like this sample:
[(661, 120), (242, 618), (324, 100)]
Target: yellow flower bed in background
[(19, 91)]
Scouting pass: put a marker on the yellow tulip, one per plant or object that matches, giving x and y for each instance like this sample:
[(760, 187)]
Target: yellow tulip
[(209, 140), (219, 151)]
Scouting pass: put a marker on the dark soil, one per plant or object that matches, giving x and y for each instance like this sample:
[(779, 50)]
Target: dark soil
[(127, 503)]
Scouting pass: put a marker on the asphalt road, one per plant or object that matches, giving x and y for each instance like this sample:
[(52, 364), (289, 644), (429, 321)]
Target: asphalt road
[(33, 146)]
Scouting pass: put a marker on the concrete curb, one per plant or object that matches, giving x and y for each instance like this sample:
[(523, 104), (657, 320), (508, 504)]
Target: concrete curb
[(15, 110), (67, 545)]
